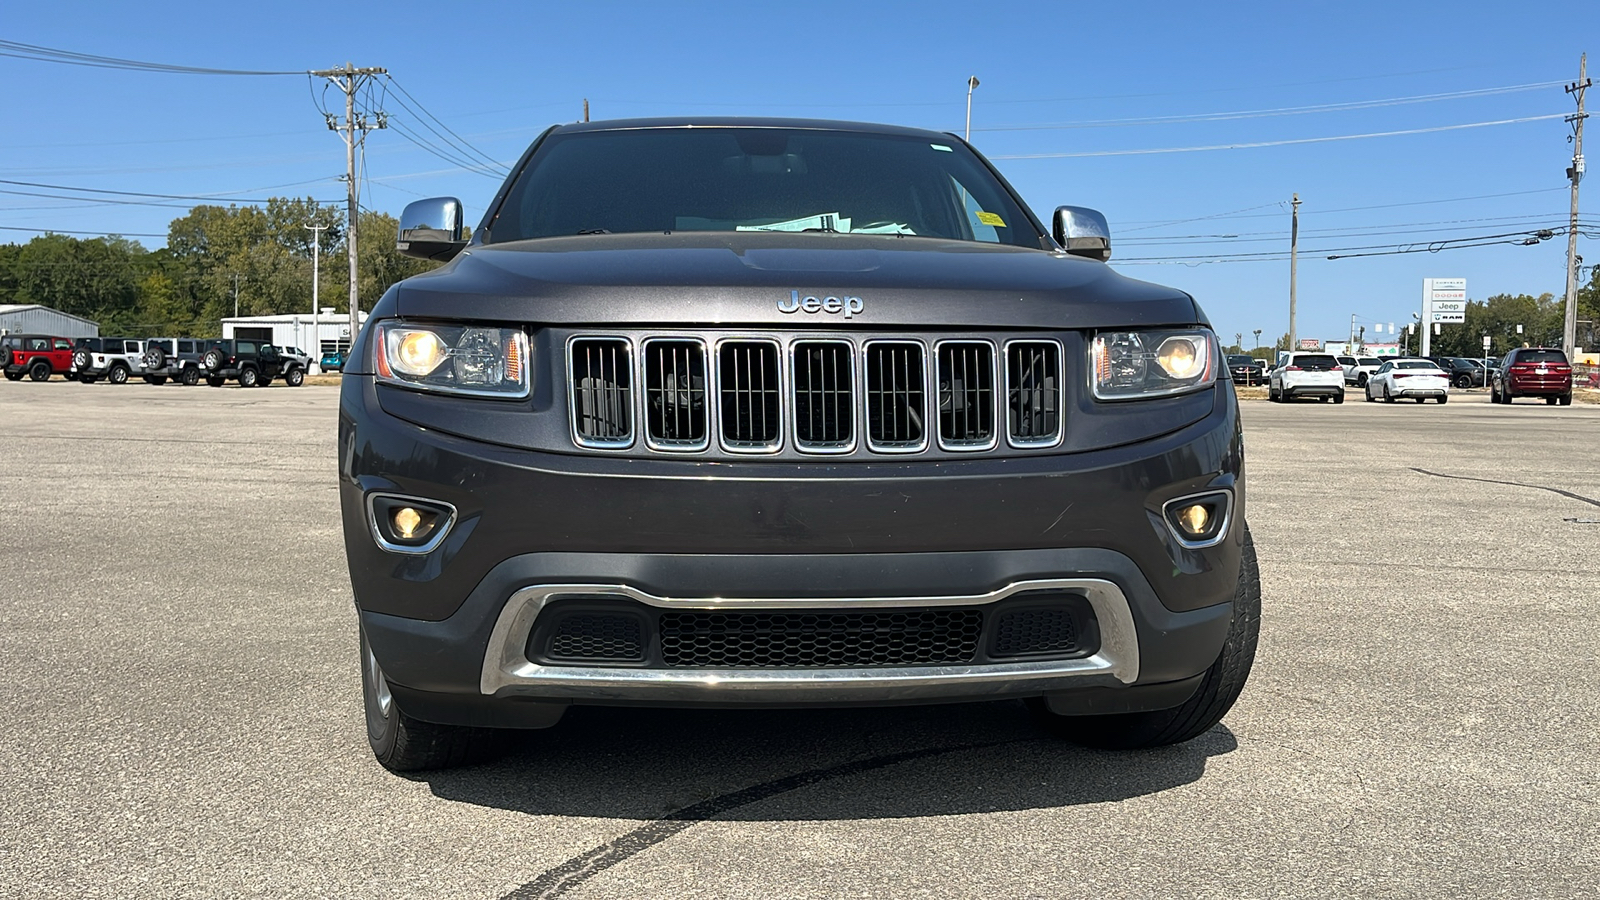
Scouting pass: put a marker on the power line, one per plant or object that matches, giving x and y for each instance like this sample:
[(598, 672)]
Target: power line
[(220, 197), (73, 58), (424, 112), (1280, 143), (95, 233), (1281, 111), (1236, 214)]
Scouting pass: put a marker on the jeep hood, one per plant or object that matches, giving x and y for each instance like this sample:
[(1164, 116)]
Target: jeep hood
[(739, 279)]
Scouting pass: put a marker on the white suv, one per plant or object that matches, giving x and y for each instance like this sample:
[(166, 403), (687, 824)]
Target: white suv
[(1307, 375)]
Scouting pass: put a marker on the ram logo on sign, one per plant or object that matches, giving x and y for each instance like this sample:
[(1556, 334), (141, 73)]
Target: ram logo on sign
[(1445, 300)]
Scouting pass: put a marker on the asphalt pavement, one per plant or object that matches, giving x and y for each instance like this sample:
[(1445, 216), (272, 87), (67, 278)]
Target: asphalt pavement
[(181, 713)]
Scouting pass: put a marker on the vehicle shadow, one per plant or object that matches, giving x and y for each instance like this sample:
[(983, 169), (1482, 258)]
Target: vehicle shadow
[(774, 765)]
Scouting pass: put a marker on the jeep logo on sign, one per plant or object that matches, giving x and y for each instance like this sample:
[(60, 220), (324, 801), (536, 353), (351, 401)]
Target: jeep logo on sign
[(850, 306)]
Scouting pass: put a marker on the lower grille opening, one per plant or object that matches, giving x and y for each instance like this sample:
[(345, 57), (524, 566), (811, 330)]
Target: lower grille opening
[(910, 637), (1034, 632), (597, 637), (750, 391), (602, 386)]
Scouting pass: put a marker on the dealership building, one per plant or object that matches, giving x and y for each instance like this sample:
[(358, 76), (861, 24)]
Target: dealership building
[(329, 333), (31, 318)]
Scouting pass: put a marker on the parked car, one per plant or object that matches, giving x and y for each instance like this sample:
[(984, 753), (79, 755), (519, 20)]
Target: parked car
[(251, 363), (1534, 372), (172, 358), (332, 361), (1415, 379), (1358, 372), (37, 356), (296, 363), (1463, 372), (113, 359), (1243, 370), (1304, 374), (805, 458)]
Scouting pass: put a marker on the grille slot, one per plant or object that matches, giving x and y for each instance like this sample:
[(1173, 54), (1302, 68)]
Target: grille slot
[(754, 640), (598, 637), (966, 395), (1033, 393), (675, 395), (896, 397), (602, 392), (1035, 632), (750, 392), (824, 396)]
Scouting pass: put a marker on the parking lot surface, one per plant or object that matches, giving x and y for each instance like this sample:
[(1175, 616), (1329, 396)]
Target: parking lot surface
[(181, 714)]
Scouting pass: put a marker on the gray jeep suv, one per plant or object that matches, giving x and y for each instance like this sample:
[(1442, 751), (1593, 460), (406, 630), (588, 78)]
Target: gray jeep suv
[(785, 413)]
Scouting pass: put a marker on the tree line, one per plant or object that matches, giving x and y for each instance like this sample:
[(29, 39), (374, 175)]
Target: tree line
[(264, 253)]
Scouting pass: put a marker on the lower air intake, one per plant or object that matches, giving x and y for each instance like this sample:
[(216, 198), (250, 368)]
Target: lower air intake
[(758, 640)]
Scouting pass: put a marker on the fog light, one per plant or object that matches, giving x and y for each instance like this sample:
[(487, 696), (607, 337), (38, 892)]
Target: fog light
[(1194, 519), (406, 522)]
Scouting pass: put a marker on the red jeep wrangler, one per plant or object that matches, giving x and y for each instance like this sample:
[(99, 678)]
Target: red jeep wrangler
[(37, 355)]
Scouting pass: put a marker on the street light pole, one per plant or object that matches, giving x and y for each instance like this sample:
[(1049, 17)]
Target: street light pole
[(971, 84)]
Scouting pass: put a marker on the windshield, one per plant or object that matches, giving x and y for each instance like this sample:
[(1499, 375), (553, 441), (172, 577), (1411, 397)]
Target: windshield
[(758, 179), (1241, 361)]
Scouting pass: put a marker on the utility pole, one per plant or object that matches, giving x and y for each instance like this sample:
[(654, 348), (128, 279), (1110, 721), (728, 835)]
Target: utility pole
[(1294, 264), (315, 366), (350, 79), (1569, 331), (236, 276), (586, 109), (972, 84), (1258, 338)]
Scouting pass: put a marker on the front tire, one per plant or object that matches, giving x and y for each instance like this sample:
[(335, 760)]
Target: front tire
[(295, 378), (190, 376), (40, 371), (1219, 688), (404, 744), (248, 377), (118, 374)]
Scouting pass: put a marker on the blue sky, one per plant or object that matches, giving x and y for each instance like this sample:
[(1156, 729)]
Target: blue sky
[(497, 74)]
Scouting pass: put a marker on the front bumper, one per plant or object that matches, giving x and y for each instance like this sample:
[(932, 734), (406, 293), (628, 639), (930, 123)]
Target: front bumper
[(451, 627)]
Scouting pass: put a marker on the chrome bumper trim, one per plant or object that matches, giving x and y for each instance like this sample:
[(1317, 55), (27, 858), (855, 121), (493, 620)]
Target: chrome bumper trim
[(508, 672)]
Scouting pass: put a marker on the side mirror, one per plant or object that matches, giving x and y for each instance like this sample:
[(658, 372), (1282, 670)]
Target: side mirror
[(432, 229), (1083, 232)]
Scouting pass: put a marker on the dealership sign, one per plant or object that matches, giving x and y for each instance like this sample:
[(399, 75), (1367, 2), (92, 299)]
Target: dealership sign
[(1444, 300)]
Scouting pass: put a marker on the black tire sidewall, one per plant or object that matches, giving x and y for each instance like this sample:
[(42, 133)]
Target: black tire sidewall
[(36, 368), (382, 730)]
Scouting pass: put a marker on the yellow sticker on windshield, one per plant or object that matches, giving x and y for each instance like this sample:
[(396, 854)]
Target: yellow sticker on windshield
[(989, 218)]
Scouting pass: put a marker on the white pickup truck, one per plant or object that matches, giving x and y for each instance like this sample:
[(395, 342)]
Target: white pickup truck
[(1307, 375)]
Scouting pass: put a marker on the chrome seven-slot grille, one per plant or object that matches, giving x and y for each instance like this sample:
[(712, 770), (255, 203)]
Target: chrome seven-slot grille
[(816, 395)]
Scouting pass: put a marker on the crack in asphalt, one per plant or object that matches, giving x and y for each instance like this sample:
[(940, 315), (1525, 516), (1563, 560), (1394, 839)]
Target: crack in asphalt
[(1538, 487), (557, 881)]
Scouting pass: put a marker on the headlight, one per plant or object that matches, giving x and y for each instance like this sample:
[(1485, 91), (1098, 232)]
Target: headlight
[(455, 359), (1132, 364)]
